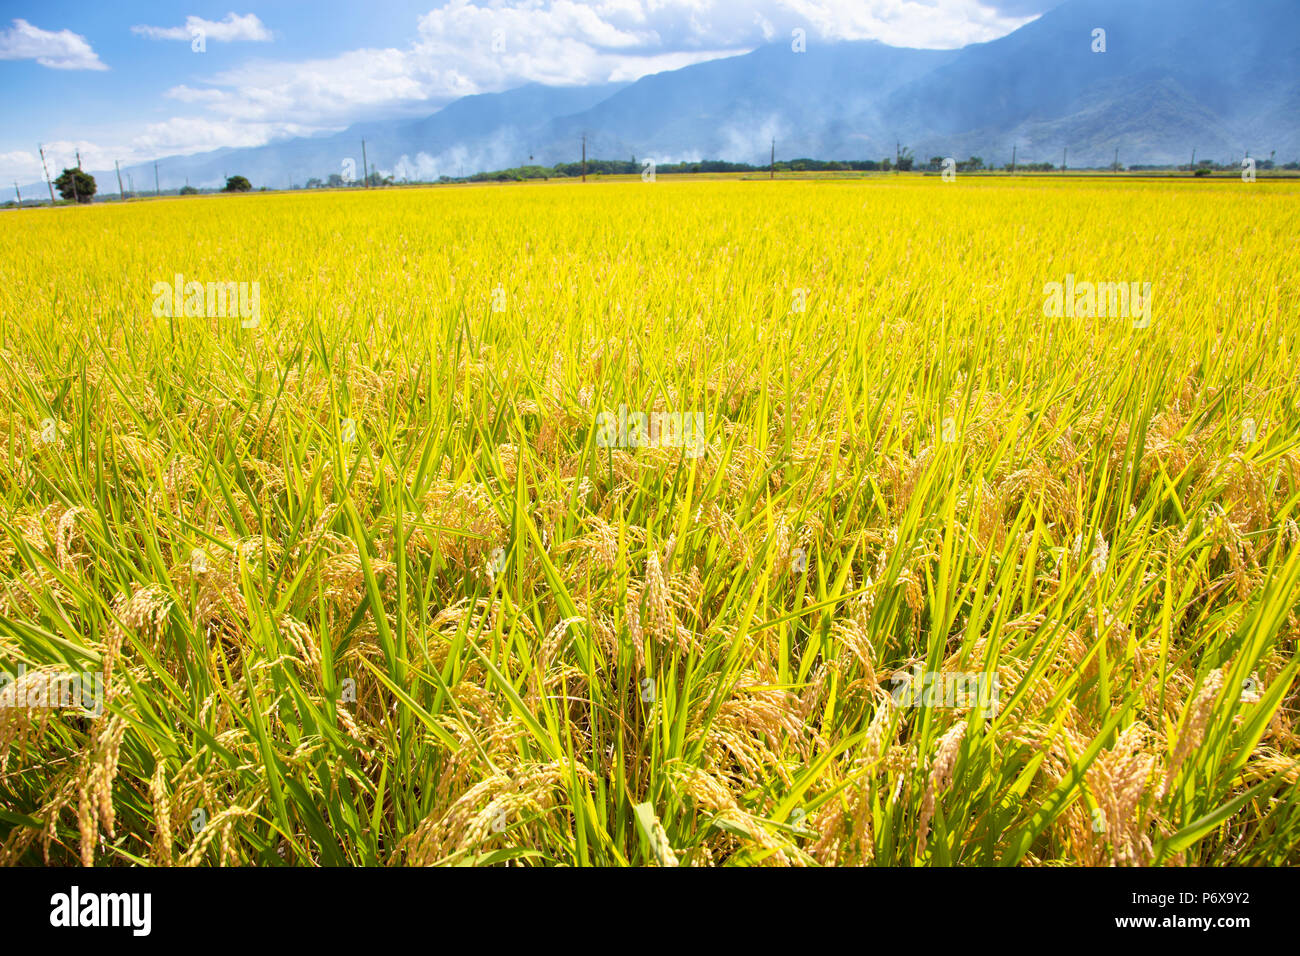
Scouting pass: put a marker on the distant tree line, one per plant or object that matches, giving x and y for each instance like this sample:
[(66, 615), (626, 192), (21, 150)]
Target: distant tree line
[(902, 162), (1205, 166), (629, 167), (336, 181), (76, 185)]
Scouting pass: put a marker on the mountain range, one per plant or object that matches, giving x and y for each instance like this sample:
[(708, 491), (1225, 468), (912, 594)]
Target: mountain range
[(1218, 76)]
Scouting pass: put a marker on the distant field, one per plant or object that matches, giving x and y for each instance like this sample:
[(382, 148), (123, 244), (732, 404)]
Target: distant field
[(947, 538)]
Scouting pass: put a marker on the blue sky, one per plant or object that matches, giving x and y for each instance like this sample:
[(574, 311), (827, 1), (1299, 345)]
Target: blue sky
[(124, 80)]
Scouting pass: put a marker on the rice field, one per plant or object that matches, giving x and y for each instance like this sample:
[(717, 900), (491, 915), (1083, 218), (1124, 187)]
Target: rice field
[(890, 522)]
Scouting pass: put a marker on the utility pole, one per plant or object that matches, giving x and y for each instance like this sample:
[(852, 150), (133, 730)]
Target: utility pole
[(1193, 166), (20, 194), (584, 157), (1116, 163), (1013, 159), (157, 190), (76, 198), (47, 173), (772, 168), (1064, 153), (120, 193), (365, 174), (898, 156)]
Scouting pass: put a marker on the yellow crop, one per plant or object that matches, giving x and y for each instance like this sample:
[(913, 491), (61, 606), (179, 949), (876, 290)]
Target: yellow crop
[(692, 522)]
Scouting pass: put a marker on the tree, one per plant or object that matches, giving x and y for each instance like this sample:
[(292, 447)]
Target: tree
[(188, 190), (237, 184), (75, 184)]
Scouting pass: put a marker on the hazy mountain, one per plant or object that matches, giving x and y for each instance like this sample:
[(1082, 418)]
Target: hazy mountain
[(485, 131), (1219, 76), (1215, 75), (822, 103)]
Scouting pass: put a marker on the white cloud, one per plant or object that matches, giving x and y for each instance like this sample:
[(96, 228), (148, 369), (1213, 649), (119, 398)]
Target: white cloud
[(323, 94), (457, 51), (21, 165), (914, 23), (64, 50), (468, 47), (59, 155), (642, 26), (234, 27), (183, 135), (557, 42)]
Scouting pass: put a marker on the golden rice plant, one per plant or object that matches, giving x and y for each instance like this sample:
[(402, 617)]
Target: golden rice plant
[(381, 574)]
